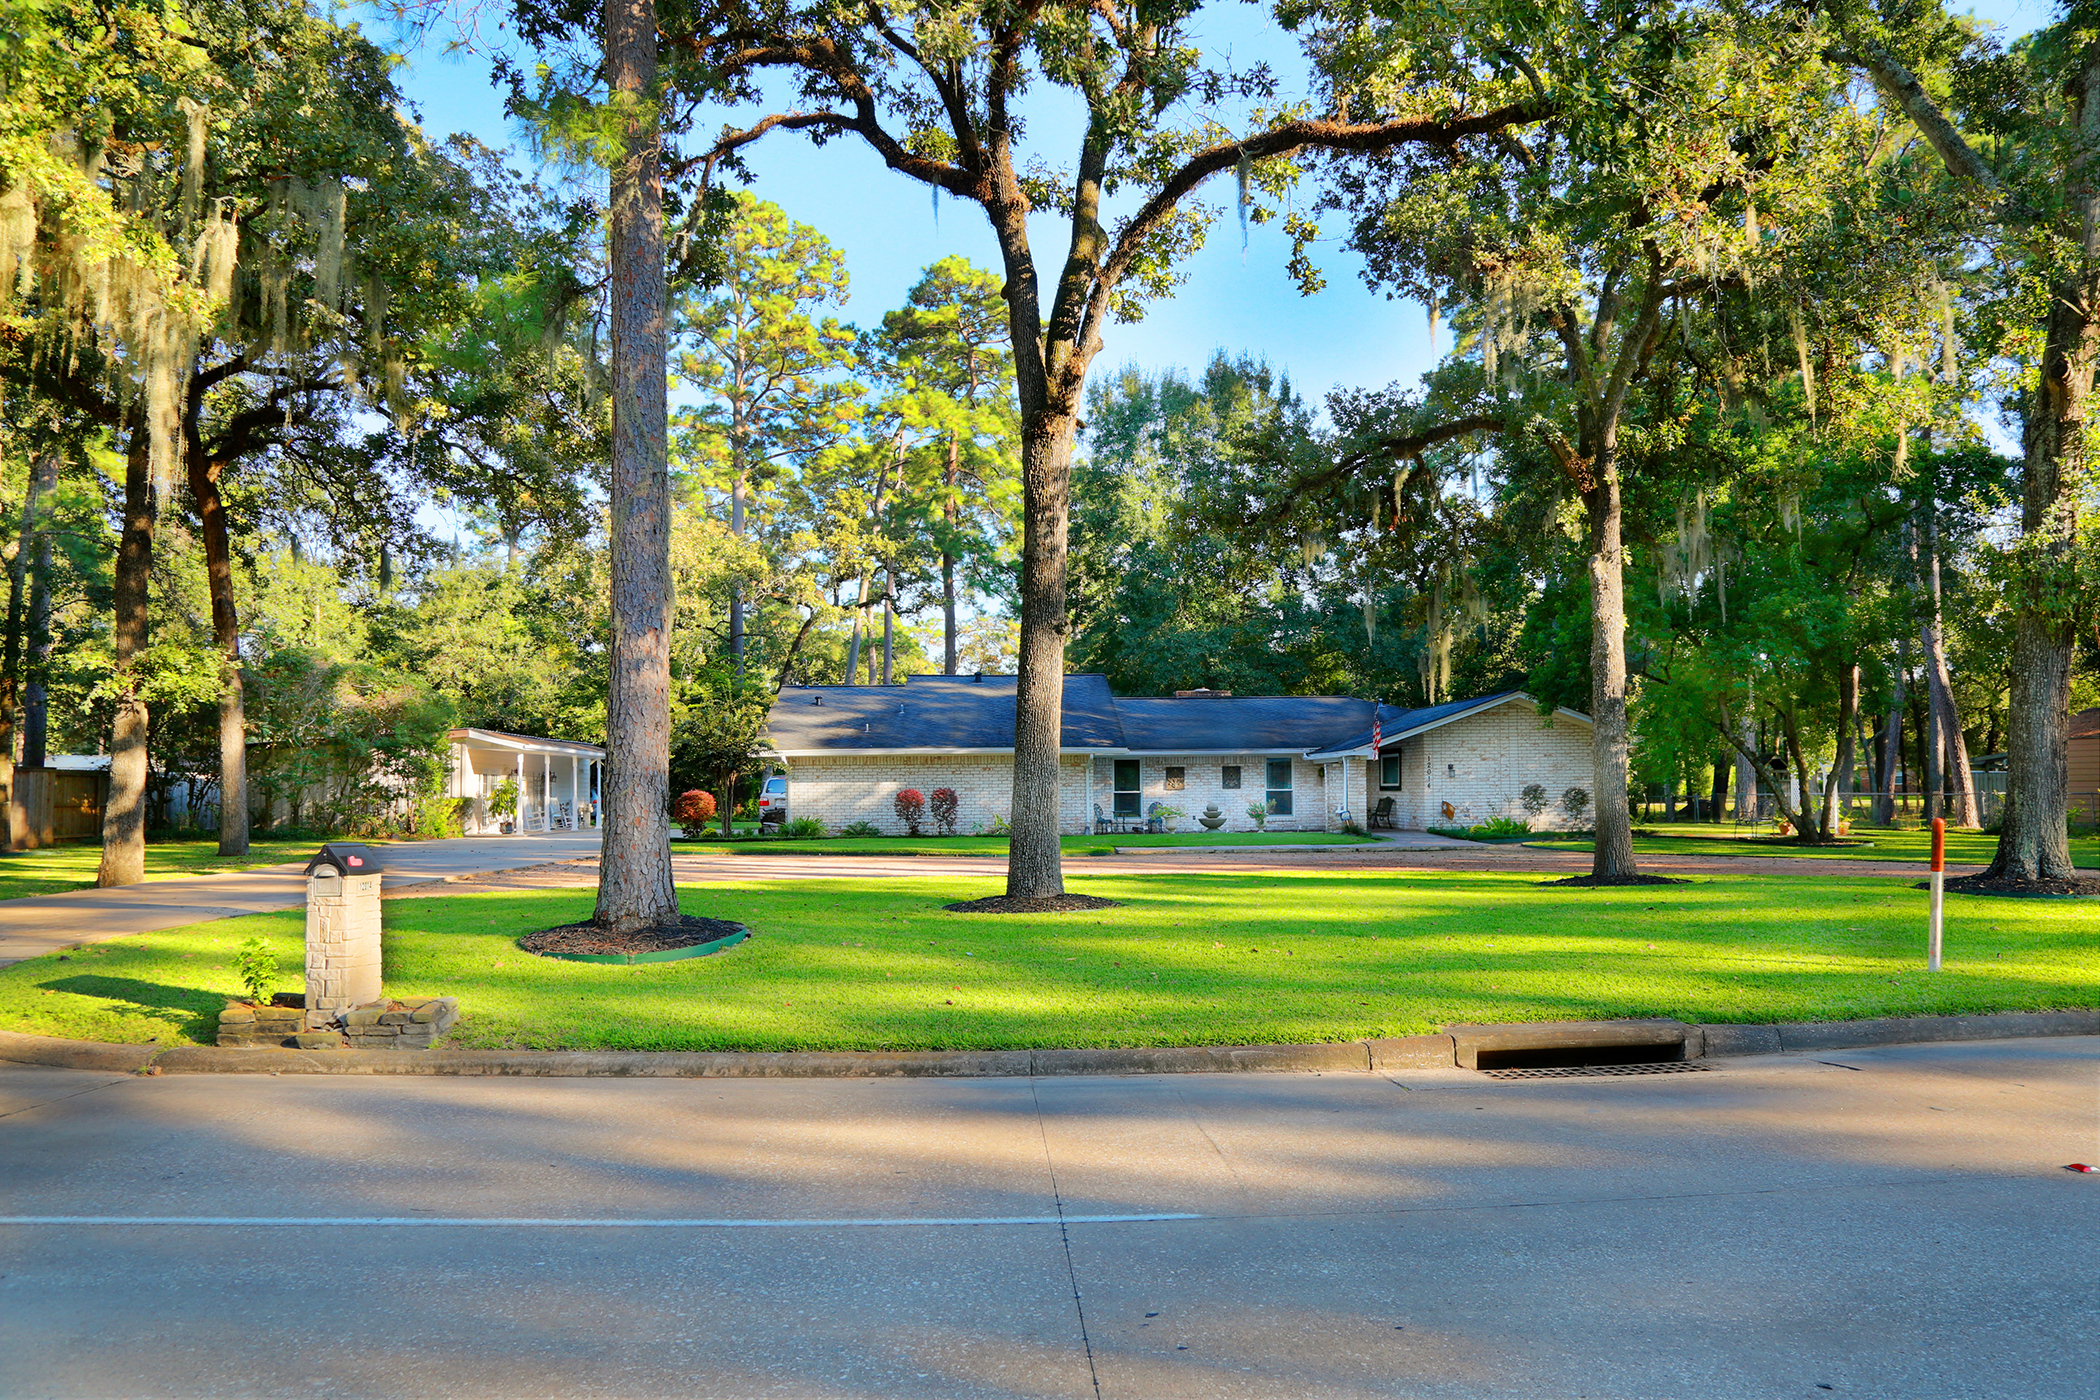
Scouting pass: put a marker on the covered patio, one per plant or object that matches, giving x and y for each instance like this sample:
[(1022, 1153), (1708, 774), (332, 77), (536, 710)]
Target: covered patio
[(558, 780)]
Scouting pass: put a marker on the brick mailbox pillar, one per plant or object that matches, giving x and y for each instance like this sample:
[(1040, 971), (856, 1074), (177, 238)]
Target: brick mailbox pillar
[(342, 932)]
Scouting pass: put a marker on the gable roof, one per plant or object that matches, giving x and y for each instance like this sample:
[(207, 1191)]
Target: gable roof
[(931, 714), (1396, 723), (975, 714), (2085, 724)]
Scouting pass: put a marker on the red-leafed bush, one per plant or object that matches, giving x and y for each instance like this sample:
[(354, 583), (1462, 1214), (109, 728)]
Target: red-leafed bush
[(944, 805), (694, 810), (911, 809)]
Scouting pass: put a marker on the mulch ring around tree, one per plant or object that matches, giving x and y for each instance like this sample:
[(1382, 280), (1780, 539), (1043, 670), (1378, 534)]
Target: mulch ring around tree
[(589, 939), (1031, 904), (1596, 882), (2086, 886)]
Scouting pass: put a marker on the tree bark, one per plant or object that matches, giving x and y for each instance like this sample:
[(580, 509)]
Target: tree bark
[(889, 629), (736, 589), (1608, 741), (226, 638), (634, 884), (1891, 745), (1720, 791), (1034, 867), (11, 652), (1839, 782), (36, 712), (948, 633), (124, 814)]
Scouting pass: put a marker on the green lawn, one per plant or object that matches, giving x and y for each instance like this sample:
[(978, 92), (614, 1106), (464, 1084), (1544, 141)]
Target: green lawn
[(72, 866), (1697, 839), (1189, 959), (996, 845)]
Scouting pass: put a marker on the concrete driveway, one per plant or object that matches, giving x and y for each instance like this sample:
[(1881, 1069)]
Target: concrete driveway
[(1891, 1222), (43, 923)]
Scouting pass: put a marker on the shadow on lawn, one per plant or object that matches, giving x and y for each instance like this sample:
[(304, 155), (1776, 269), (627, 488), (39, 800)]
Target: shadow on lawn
[(191, 1010)]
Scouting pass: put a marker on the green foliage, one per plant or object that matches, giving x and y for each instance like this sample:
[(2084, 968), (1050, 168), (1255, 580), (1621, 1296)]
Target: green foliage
[(503, 799), (803, 828), (860, 829), (255, 964)]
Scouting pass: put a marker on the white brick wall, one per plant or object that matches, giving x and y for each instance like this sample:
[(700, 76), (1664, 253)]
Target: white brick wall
[(1480, 765), (843, 789), (1204, 776)]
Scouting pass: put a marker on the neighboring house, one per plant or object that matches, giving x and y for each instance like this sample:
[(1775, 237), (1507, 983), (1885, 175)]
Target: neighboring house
[(1308, 759), (2084, 749), (558, 780)]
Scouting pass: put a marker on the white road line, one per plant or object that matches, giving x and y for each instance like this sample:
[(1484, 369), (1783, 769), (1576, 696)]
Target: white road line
[(556, 1223)]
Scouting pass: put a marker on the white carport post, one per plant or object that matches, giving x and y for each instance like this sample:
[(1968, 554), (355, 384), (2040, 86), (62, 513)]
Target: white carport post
[(546, 791), (518, 822), (575, 798)]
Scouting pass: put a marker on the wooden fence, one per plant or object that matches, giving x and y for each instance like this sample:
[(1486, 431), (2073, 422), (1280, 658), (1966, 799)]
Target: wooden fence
[(58, 804)]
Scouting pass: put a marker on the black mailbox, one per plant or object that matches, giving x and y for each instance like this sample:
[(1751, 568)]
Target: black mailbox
[(347, 858)]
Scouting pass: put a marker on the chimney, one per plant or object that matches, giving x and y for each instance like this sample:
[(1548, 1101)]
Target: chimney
[(1202, 695)]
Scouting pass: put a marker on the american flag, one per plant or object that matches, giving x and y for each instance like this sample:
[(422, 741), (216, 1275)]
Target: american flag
[(1377, 729)]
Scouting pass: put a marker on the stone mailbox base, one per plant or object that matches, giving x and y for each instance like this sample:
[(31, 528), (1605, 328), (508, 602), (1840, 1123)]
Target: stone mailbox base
[(409, 1024), (342, 946)]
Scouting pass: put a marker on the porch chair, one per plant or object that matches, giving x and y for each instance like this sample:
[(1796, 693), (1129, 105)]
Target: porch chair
[(1382, 815), (1102, 825)]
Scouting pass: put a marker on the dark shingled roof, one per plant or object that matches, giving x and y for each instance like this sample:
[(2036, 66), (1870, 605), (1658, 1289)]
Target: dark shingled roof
[(932, 712), (977, 712), (1239, 723), (2085, 724)]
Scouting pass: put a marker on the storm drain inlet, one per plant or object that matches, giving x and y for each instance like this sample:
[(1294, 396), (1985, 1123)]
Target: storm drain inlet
[(1595, 1071)]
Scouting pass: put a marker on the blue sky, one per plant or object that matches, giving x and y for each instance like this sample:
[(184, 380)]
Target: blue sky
[(1346, 335)]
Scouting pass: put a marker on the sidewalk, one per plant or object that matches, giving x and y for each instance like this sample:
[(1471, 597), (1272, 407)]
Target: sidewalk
[(43, 923)]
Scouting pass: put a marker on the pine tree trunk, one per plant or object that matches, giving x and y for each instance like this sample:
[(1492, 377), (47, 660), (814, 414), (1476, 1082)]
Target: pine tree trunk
[(1608, 744), (124, 814), (736, 590), (11, 656), (1720, 790), (634, 884), (948, 633), (36, 713), (889, 629), (1839, 782), (1034, 867), (226, 638), (1891, 746)]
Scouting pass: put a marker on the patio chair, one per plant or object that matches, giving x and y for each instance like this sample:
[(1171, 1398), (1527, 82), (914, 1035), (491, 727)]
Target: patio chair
[(1102, 825), (1382, 815)]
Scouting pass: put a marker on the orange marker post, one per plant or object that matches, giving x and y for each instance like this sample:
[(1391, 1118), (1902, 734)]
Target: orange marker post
[(1939, 893)]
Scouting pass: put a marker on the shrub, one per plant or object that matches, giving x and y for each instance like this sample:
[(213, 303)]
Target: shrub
[(1534, 800), (803, 827), (694, 809), (1000, 826), (1260, 812), (503, 802), (1502, 826), (256, 966), (944, 805), (1354, 828), (1576, 803), (911, 809), (860, 829)]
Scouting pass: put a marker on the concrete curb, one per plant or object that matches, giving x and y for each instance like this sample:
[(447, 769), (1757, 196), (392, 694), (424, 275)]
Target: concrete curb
[(1377, 1056)]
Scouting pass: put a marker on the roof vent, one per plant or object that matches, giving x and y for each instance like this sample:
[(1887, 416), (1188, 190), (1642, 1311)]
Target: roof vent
[(817, 701), (978, 678), (1202, 695)]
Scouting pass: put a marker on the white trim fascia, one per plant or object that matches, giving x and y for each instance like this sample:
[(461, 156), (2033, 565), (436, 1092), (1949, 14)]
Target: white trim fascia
[(960, 753), (512, 743)]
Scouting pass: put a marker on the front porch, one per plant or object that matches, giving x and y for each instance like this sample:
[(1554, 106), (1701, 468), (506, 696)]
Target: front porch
[(558, 781)]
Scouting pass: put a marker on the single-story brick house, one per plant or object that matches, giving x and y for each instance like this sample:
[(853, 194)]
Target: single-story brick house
[(1309, 759)]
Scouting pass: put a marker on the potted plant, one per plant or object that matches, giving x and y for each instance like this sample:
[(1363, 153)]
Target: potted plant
[(1168, 816), (1260, 812), (503, 804)]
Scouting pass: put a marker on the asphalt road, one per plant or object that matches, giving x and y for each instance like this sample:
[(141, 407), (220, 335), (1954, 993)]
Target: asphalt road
[(1892, 1223)]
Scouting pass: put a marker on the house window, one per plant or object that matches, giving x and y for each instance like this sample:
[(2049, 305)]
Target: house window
[(1177, 779), (1279, 787), (1232, 776), (1127, 793), (1389, 770)]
